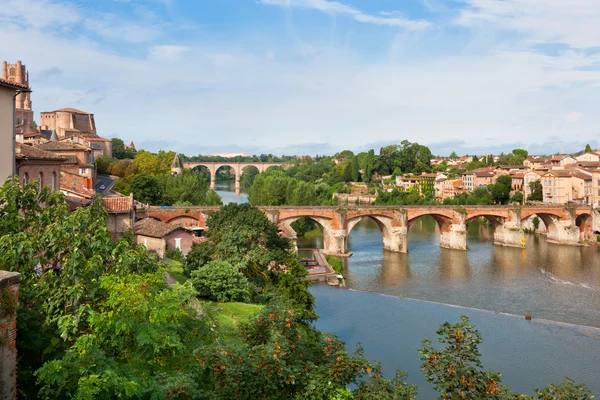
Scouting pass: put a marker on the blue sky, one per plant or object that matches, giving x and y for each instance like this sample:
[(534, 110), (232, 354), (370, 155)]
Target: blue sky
[(317, 76)]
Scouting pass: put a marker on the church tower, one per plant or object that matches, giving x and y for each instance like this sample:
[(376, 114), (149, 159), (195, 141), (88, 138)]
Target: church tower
[(17, 73), (176, 167)]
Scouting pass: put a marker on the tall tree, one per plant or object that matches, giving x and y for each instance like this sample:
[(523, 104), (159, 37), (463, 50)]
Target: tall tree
[(536, 191), (588, 148), (355, 170)]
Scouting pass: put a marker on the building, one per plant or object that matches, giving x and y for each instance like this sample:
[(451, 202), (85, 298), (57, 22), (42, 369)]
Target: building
[(79, 158), (478, 177), (121, 214), (407, 183), (562, 186), (590, 157), (157, 236), (17, 74), (528, 178), (68, 122), (427, 183), (9, 91), (38, 165)]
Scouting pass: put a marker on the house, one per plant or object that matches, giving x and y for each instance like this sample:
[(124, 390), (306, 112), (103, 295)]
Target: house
[(157, 236), (562, 186), (593, 157), (38, 165), (407, 183), (9, 91), (530, 177), (479, 177), (121, 214)]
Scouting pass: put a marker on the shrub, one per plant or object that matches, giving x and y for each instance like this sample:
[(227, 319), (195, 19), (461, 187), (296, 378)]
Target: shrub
[(221, 281), (175, 254)]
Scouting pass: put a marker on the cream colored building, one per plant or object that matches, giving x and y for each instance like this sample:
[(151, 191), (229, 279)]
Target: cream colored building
[(8, 93), (590, 157), (562, 186)]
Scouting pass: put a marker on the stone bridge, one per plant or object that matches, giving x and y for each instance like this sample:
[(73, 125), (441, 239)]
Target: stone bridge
[(571, 225), (237, 167)]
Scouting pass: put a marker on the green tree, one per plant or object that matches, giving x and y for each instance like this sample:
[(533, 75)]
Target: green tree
[(588, 148), (355, 170), (103, 164), (517, 198), (188, 187), (453, 156), (501, 189), (146, 189), (249, 174), (221, 281), (118, 149), (536, 191)]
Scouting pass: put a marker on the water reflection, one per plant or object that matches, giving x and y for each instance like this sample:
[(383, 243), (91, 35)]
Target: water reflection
[(226, 189), (549, 281)]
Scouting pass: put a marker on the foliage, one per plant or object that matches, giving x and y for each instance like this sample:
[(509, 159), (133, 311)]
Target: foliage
[(119, 151), (517, 198), (103, 164), (501, 189), (140, 344), (275, 188), (453, 156), (249, 174), (154, 164), (174, 253), (146, 190), (304, 225), (39, 236), (335, 263), (537, 193), (536, 222), (355, 170), (198, 256), (455, 370), (588, 148), (189, 188), (220, 281)]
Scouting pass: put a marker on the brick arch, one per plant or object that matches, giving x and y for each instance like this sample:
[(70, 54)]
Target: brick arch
[(444, 221), (495, 220), (184, 220), (584, 223), (285, 225), (547, 218)]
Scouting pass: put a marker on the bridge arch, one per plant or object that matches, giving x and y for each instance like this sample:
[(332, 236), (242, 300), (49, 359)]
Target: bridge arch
[(184, 220), (443, 220), (584, 223), (384, 223), (323, 223), (548, 219)]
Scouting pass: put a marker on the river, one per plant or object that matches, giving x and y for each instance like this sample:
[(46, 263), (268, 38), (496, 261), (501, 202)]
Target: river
[(412, 294)]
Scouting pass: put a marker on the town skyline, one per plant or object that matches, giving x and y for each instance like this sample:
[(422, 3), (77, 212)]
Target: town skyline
[(308, 77)]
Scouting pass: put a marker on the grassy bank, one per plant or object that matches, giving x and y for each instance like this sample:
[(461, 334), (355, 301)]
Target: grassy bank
[(175, 269), (336, 263)]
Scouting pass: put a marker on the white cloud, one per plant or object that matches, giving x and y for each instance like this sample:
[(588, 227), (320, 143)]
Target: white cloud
[(573, 116), (337, 8), (571, 22), (166, 52)]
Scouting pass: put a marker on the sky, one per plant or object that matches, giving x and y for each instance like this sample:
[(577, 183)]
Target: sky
[(317, 76)]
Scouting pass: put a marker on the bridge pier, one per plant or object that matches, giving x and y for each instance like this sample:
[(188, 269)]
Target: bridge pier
[(335, 242), (509, 234), (396, 240), (455, 237), (237, 183), (563, 232)]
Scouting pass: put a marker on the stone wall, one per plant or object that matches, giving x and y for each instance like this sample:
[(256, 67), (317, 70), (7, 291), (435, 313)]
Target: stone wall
[(9, 297)]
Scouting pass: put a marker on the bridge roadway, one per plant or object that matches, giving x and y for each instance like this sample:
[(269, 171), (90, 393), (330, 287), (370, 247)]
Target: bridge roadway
[(237, 167), (569, 225)]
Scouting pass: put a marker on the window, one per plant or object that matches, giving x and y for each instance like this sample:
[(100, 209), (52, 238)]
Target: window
[(178, 243), (83, 171), (40, 182), (53, 183), (26, 179)]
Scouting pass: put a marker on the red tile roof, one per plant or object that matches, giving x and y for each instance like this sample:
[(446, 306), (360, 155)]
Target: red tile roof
[(26, 152), (153, 228), (14, 85), (118, 204)]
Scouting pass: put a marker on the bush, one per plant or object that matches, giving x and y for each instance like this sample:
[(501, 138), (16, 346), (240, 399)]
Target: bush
[(199, 255), (175, 254), (221, 281)]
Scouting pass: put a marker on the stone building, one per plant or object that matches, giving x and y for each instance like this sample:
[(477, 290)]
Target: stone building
[(17, 73), (9, 91), (38, 165), (157, 236), (121, 214), (68, 122)]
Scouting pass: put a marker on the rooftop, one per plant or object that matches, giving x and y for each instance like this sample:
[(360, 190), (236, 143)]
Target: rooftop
[(153, 228), (26, 152), (118, 204), (68, 109), (14, 85), (62, 146)]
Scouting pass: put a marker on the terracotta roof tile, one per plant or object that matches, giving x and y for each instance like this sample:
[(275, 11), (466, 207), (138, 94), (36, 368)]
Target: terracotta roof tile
[(26, 152), (13, 85), (118, 204), (62, 146), (68, 109), (153, 228)]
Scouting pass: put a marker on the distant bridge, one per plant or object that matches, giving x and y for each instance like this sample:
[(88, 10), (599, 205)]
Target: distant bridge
[(565, 225), (237, 167)]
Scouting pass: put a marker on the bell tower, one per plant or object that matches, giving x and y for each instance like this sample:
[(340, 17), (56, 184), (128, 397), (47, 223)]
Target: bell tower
[(17, 73)]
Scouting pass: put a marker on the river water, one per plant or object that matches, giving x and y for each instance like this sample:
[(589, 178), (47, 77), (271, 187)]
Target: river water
[(412, 294)]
